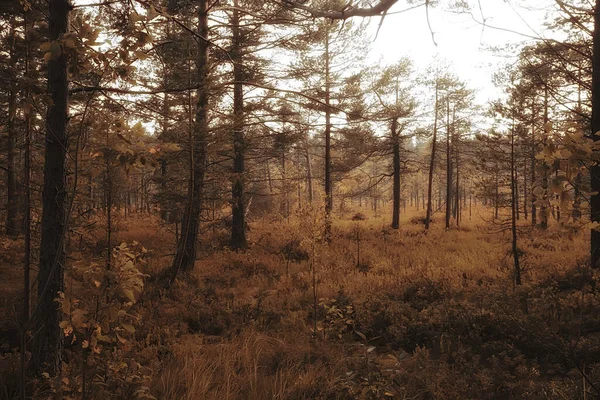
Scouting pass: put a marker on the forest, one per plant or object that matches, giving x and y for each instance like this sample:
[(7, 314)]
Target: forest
[(229, 199)]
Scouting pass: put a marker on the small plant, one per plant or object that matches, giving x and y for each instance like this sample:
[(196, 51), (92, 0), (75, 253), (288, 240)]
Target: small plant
[(293, 251), (359, 217), (101, 322), (339, 318)]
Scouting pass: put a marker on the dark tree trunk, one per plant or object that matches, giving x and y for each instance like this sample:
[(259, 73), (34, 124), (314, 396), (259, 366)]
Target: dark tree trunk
[(514, 205), (595, 170), (27, 222), (525, 190), (432, 161), (12, 204), (448, 167), (48, 337), (532, 159), (457, 185), (328, 183), (309, 177), (396, 150), (238, 208), (545, 196), (185, 256)]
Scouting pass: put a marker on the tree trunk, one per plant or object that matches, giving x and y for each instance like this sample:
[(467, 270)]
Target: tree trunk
[(238, 208), (309, 177), (432, 161), (396, 150), (457, 185), (328, 183), (186, 246), (545, 195), (448, 167), (12, 204), (514, 205), (48, 337), (27, 222), (525, 191), (595, 170), (532, 159)]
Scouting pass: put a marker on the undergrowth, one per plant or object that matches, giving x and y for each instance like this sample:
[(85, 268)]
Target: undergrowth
[(404, 314)]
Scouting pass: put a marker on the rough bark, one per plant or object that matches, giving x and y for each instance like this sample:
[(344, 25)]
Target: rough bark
[(448, 167), (595, 170), (238, 208), (12, 204), (432, 161), (328, 183), (309, 176), (545, 195), (185, 256), (47, 340), (514, 206), (532, 159), (396, 151)]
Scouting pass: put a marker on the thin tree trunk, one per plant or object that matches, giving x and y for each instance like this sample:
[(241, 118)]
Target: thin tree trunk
[(238, 208), (525, 191), (448, 167), (48, 337), (532, 159), (514, 205), (27, 222), (595, 170), (545, 195), (185, 256), (12, 204), (309, 176), (396, 150), (457, 194), (432, 161), (328, 183)]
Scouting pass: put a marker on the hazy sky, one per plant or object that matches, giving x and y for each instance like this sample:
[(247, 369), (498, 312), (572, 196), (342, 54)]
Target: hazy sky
[(460, 40)]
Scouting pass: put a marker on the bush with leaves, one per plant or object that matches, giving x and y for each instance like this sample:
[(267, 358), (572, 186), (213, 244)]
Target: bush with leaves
[(99, 327)]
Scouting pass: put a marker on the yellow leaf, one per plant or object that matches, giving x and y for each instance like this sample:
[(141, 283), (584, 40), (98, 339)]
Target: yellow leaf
[(141, 55), (45, 46), (129, 294), (70, 41), (55, 49), (128, 327)]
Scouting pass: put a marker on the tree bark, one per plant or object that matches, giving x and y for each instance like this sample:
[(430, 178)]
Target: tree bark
[(328, 183), (12, 204), (238, 208), (448, 167), (309, 176), (545, 195), (595, 170), (532, 158), (514, 205), (48, 338), (432, 161), (396, 151), (185, 256)]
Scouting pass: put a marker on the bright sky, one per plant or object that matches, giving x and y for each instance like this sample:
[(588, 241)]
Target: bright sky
[(460, 40)]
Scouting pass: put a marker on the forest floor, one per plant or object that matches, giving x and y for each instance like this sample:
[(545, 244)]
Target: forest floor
[(404, 314)]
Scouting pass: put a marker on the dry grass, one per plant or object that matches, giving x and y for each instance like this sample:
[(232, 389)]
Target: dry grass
[(422, 315)]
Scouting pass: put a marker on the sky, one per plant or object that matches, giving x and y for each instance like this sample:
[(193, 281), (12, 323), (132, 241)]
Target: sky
[(462, 41)]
